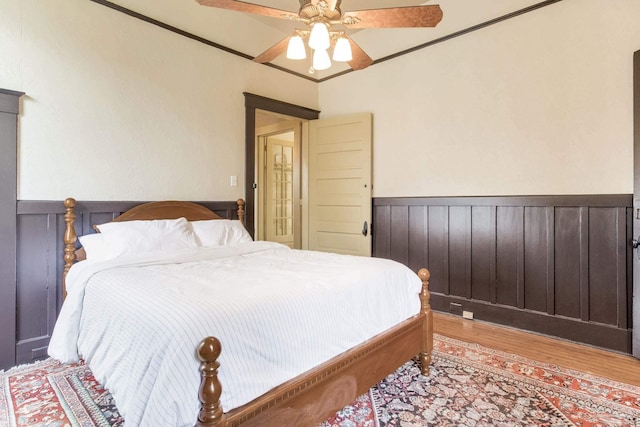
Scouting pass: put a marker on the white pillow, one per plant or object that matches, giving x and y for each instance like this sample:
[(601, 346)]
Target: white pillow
[(94, 246), (220, 232), (129, 237)]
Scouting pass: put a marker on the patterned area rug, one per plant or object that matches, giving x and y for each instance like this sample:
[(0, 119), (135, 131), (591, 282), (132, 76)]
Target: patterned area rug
[(469, 385), (50, 394)]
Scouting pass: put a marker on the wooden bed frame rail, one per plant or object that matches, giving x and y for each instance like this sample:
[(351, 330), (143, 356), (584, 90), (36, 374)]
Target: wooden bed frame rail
[(315, 395), (303, 400)]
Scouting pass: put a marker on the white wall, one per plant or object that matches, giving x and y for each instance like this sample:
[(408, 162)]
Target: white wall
[(118, 109), (539, 104)]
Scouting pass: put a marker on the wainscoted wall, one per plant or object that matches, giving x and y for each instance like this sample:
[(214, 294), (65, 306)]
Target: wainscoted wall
[(555, 265), (558, 265), (40, 227)]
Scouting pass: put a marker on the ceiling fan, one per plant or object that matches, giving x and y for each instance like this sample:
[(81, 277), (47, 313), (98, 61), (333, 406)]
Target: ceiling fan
[(321, 18)]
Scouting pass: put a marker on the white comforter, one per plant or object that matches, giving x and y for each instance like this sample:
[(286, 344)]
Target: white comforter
[(278, 312)]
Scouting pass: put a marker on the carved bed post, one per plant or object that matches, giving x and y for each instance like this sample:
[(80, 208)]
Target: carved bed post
[(427, 329), (211, 414), (241, 203), (69, 241)]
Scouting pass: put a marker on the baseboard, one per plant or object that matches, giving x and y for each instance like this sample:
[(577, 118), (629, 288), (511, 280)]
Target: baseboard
[(598, 335)]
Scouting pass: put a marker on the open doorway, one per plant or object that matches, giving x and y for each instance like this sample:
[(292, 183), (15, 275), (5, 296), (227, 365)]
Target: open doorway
[(278, 179), (352, 232), (254, 104)]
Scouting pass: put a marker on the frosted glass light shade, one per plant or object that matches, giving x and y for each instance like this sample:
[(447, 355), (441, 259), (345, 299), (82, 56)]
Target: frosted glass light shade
[(319, 37), (342, 51), (321, 60), (295, 48)]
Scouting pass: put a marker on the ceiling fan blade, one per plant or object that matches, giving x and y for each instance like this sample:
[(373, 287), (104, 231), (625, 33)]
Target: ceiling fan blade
[(274, 51), (241, 6), (360, 58), (395, 17)]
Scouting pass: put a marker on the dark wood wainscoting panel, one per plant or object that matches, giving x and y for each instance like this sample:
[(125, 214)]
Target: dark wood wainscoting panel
[(460, 251), (438, 244), (510, 256), (558, 265), (569, 256), (400, 249), (40, 252), (37, 286), (607, 235), (536, 245), (419, 224), (483, 250)]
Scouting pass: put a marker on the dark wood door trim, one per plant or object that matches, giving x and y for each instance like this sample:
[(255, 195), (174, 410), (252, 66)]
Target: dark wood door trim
[(635, 340), (252, 103), (9, 107)]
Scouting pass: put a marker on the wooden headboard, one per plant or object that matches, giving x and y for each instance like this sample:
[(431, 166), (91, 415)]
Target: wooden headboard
[(171, 209)]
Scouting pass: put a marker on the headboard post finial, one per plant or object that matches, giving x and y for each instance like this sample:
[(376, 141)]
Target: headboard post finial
[(69, 240), (241, 204)]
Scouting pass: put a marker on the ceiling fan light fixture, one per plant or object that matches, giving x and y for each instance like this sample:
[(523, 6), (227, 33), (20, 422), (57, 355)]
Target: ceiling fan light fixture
[(321, 60), (319, 37), (342, 51), (295, 48)]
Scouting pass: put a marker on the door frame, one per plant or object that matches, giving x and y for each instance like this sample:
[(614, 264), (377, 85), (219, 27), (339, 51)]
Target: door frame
[(9, 110), (635, 326), (252, 103)]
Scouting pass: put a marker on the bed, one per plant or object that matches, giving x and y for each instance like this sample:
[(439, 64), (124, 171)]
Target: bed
[(308, 395)]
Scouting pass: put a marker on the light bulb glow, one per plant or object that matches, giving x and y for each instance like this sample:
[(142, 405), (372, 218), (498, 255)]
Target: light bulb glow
[(321, 60), (342, 51), (295, 48), (319, 37)]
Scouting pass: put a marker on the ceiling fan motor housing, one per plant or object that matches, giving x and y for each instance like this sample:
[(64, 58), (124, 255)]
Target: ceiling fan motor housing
[(309, 10)]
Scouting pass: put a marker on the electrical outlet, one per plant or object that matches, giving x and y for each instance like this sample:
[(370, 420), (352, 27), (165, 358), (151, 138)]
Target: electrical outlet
[(455, 308), (467, 314)]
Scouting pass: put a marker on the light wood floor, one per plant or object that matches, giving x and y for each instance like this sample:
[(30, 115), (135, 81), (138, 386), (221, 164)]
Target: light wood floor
[(568, 354)]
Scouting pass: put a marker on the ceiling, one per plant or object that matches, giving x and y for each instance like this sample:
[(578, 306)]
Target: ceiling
[(251, 34)]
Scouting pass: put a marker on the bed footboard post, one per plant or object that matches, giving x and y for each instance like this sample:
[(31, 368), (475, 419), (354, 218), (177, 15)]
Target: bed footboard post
[(427, 329), (211, 414), (69, 241)]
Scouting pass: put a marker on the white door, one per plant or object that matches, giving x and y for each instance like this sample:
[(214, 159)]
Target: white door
[(339, 184)]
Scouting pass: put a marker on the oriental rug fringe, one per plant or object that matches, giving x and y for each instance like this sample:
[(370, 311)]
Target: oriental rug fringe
[(469, 385)]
